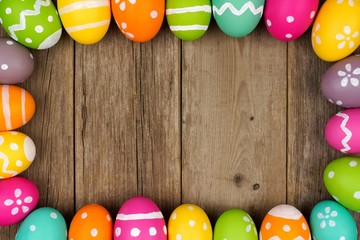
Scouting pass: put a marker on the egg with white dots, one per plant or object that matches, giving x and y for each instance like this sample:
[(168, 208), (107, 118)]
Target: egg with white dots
[(188, 222)]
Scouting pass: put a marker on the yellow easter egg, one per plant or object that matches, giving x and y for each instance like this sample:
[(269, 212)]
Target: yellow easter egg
[(336, 30)]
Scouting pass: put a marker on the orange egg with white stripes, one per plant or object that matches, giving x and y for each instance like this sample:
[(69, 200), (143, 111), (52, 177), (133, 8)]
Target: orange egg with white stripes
[(17, 107), (85, 21)]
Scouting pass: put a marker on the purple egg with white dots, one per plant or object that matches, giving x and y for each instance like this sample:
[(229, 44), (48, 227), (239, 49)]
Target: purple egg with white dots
[(141, 219), (287, 20)]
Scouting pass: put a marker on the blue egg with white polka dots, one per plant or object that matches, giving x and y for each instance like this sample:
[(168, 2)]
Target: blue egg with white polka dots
[(331, 221), (43, 224)]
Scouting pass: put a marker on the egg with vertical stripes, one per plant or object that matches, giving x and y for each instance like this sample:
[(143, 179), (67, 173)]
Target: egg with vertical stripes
[(85, 21), (17, 107), (140, 218), (188, 19)]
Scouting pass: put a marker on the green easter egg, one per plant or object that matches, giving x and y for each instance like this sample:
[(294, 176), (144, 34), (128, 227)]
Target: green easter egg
[(33, 23), (235, 224), (188, 19), (341, 178)]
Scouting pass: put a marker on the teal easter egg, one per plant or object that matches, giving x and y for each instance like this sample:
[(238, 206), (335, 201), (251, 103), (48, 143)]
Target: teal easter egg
[(238, 18), (33, 23), (331, 221), (188, 19), (235, 224), (43, 224), (341, 178)]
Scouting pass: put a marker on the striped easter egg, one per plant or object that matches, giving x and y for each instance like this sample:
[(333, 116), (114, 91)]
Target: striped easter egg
[(188, 19), (17, 107), (85, 21)]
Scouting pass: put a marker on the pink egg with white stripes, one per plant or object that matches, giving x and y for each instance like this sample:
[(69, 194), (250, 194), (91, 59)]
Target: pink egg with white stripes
[(286, 20), (18, 197), (342, 131), (141, 219)]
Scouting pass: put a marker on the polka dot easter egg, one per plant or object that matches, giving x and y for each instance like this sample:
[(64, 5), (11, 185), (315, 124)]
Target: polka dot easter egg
[(341, 178), (188, 19), (43, 224), (238, 18), (18, 197), (331, 221), (16, 62), (91, 222), (138, 20), (284, 222), (17, 152), (85, 21), (33, 23), (287, 20), (140, 218), (342, 131), (341, 83), (335, 32), (188, 222), (17, 107), (235, 224)]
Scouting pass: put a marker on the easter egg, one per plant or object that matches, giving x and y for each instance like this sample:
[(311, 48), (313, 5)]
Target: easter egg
[(140, 218), (188, 19), (340, 83), (335, 32), (91, 222), (43, 224), (18, 197), (341, 178), (188, 222), (138, 20), (17, 107), (238, 18), (287, 20), (342, 131), (16, 62), (331, 221), (85, 21), (235, 224), (33, 23), (17, 152), (284, 222)]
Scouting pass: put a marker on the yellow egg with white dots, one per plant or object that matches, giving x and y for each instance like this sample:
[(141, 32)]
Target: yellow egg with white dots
[(189, 222), (17, 152)]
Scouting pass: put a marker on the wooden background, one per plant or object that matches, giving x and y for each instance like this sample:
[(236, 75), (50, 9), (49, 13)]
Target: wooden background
[(219, 122)]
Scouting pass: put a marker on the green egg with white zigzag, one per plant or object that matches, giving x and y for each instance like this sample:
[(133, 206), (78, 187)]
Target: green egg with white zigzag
[(33, 23), (188, 19)]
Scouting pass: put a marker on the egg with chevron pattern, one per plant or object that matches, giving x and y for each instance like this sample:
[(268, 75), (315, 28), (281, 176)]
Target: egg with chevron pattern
[(33, 23), (237, 18)]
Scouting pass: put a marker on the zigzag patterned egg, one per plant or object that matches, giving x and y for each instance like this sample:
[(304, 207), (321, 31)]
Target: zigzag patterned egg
[(33, 23), (238, 18), (85, 21), (342, 131), (138, 20), (188, 19)]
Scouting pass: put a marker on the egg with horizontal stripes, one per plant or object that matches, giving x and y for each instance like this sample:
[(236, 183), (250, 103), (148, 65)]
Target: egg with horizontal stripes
[(33, 23), (138, 20), (17, 107), (188, 19), (141, 219), (85, 21), (17, 152)]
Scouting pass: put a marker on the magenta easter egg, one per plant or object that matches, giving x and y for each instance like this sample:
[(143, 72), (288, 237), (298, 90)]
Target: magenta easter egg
[(141, 219), (287, 20), (18, 197), (342, 131)]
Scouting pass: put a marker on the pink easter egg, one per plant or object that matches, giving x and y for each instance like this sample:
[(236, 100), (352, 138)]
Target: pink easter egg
[(18, 197), (342, 131), (286, 20), (141, 219)]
